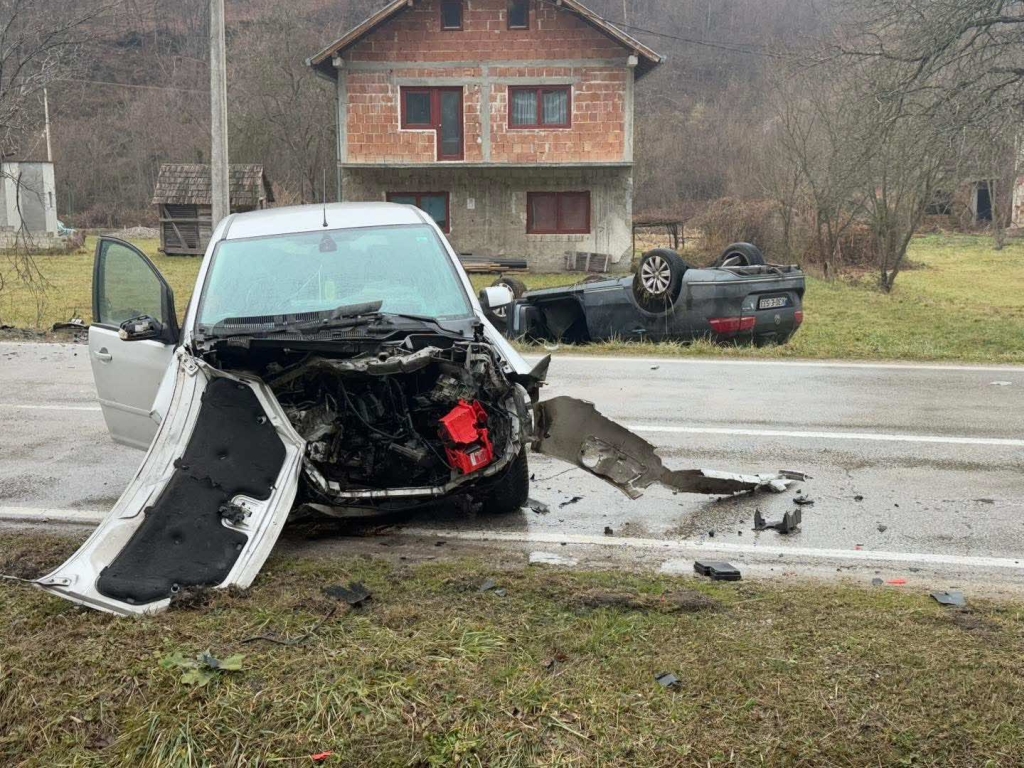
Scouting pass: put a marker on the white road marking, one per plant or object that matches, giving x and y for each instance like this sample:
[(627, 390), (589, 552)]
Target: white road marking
[(25, 407), (673, 546), (894, 366), (706, 548), (882, 437)]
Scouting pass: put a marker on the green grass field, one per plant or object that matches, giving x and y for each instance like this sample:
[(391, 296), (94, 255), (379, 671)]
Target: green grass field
[(963, 302), (560, 671)]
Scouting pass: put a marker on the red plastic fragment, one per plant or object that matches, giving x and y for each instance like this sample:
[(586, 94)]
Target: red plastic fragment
[(467, 442), (321, 756)]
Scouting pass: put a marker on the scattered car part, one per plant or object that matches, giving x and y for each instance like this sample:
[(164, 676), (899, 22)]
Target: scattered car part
[(488, 585), (355, 594), (952, 599), (792, 474), (803, 501), (717, 570), (790, 522), (668, 680), (538, 506), (574, 431)]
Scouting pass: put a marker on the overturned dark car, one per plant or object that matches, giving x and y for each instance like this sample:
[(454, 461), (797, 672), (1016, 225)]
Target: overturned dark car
[(333, 362), (740, 299)]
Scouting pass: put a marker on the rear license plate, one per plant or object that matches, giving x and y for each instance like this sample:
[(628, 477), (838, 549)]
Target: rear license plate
[(773, 302)]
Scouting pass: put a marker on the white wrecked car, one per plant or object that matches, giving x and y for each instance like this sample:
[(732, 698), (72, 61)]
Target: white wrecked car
[(333, 358)]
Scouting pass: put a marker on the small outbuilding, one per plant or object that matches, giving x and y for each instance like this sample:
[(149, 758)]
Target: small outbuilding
[(184, 201)]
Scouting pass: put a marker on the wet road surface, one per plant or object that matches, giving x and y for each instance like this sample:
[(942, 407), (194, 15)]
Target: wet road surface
[(916, 469)]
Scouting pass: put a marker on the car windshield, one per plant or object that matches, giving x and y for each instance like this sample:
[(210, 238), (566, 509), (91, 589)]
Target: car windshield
[(405, 267)]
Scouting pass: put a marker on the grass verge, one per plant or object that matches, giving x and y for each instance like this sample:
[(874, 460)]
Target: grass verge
[(962, 303), (561, 670)]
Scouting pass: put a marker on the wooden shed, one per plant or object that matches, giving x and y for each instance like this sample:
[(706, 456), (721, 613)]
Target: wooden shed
[(184, 201)]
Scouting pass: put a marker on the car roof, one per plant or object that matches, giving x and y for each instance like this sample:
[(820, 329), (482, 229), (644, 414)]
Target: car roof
[(311, 218)]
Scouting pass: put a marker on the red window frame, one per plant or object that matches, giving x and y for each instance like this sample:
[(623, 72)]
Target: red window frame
[(435, 116), (440, 9), (560, 228), (508, 13), (447, 228), (538, 119)]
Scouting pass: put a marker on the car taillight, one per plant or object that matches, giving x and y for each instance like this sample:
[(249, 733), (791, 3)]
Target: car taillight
[(724, 325), (798, 317)]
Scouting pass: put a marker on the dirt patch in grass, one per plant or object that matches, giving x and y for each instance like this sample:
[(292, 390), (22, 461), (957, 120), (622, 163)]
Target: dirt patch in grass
[(558, 669), (30, 558), (679, 601)]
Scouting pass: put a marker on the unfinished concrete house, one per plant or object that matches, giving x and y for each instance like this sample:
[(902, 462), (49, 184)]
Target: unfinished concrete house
[(508, 121), (184, 201)]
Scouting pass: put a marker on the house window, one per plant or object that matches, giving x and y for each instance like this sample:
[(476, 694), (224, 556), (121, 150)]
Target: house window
[(547, 107), (558, 213), (434, 204), (440, 110), (451, 14), (518, 14), (417, 108)]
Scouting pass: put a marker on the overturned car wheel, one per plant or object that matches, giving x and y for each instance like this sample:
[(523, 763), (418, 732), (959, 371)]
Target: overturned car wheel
[(511, 491), (658, 279), (741, 255)]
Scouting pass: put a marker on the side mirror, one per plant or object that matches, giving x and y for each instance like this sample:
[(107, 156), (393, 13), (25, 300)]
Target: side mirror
[(496, 298), (140, 328)]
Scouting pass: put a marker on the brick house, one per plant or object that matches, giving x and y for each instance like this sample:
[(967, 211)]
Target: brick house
[(509, 121)]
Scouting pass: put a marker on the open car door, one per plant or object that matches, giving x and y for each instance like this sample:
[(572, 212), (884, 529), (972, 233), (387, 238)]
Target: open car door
[(205, 507), (128, 371)]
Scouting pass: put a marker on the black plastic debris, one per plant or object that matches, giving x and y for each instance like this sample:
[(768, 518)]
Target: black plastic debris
[(883, 528), (717, 570), (538, 506), (877, 582), (573, 500), (355, 594), (803, 501), (668, 680), (789, 522), (950, 599), (609, 531), (858, 497)]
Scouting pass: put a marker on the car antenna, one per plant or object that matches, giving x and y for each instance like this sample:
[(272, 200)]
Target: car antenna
[(323, 197)]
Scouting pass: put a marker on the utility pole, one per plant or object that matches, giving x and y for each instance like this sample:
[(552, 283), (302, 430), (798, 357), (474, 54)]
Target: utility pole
[(46, 120), (218, 114)]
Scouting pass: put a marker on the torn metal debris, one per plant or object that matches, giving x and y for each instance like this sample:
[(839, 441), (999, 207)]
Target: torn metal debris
[(575, 431), (789, 523), (953, 599)]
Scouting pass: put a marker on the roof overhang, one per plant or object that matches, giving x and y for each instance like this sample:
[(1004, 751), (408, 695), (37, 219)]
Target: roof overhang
[(323, 62)]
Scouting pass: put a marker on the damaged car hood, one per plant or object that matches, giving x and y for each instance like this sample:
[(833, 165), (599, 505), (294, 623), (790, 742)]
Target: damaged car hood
[(205, 508)]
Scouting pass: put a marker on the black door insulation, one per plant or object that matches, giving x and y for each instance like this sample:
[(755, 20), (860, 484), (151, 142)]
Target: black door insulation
[(234, 449)]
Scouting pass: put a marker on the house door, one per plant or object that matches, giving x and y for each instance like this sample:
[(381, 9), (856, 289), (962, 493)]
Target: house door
[(449, 124), (984, 208)]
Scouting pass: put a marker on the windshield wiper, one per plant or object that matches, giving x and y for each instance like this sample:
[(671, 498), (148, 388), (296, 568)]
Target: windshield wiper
[(341, 317)]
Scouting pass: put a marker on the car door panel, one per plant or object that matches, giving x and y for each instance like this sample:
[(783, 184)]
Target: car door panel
[(128, 373)]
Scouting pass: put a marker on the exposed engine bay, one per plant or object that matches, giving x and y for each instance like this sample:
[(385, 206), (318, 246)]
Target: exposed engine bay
[(401, 423)]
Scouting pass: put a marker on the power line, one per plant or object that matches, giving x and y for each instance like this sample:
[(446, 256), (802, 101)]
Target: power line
[(732, 48), (130, 85)]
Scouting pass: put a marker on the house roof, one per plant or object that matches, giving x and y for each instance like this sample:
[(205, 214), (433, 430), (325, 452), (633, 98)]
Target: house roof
[(647, 58), (191, 184)]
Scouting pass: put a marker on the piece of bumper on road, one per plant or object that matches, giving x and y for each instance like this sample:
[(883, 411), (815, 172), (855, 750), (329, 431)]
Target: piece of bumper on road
[(574, 431)]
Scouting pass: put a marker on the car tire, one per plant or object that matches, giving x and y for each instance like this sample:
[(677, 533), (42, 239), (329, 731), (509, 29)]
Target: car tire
[(512, 489), (518, 288), (658, 279), (741, 255)]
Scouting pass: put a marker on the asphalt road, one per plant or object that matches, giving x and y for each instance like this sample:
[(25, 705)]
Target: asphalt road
[(917, 470)]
